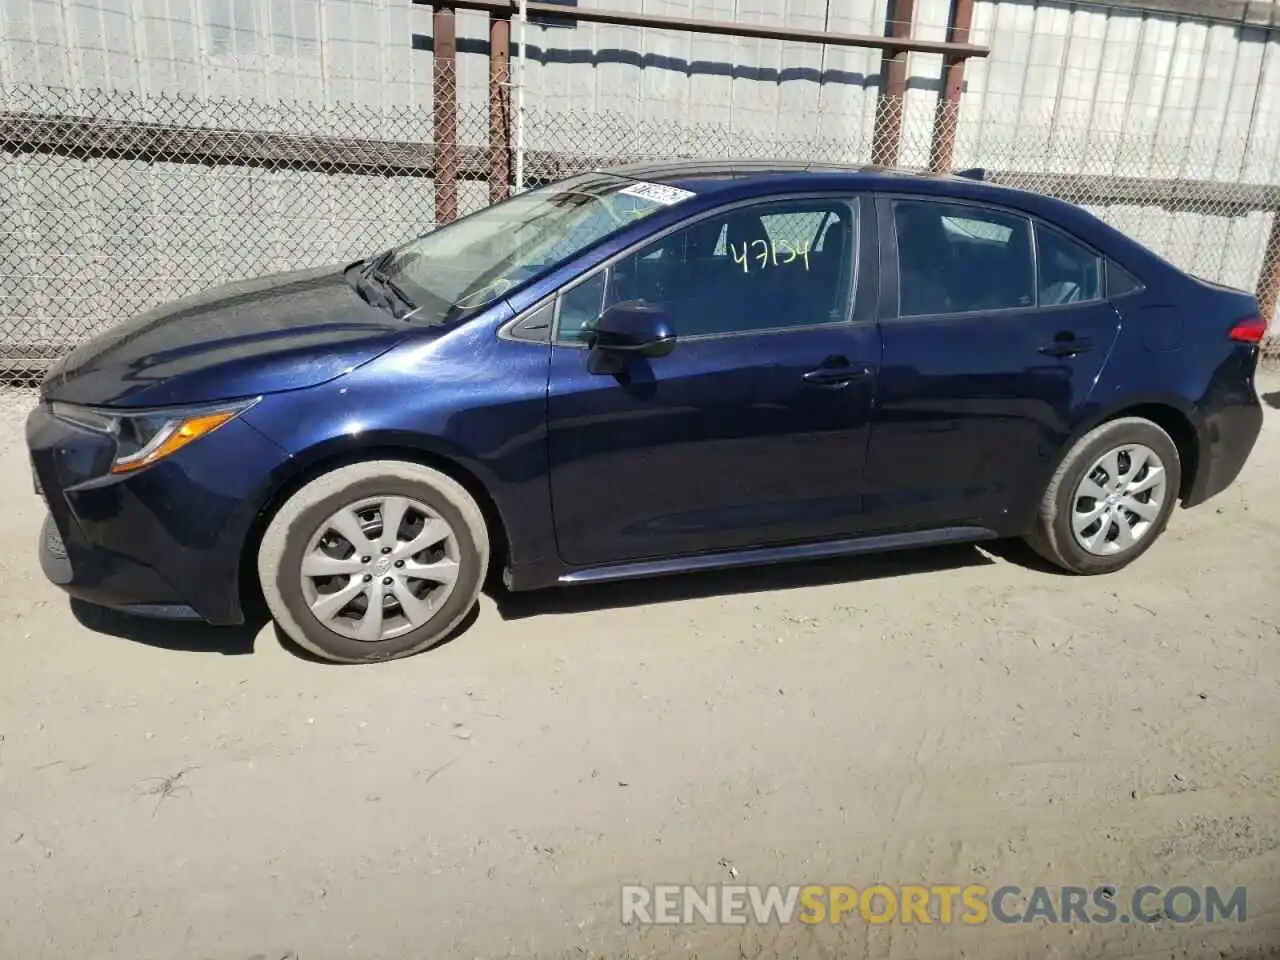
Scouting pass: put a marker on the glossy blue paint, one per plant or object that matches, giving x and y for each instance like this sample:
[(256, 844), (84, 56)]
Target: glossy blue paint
[(282, 332), (864, 431), (169, 534), (735, 447)]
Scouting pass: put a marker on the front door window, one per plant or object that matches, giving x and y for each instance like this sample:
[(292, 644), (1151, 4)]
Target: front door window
[(771, 266)]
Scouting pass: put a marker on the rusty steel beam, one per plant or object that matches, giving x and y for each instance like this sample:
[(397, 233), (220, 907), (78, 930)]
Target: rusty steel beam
[(85, 138), (499, 113), (886, 139), (720, 27), (444, 94), (943, 147)]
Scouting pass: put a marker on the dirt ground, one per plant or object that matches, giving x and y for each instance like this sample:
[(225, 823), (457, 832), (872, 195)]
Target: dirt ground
[(951, 716)]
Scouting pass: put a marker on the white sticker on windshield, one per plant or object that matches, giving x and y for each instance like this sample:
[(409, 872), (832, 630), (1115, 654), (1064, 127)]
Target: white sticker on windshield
[(657, 192)]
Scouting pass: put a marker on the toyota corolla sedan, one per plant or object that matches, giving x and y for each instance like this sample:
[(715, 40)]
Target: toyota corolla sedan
[(639, 372)]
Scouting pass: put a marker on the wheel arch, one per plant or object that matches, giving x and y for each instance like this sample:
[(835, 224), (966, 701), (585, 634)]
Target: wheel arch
[(318, 461), (1172, 416)]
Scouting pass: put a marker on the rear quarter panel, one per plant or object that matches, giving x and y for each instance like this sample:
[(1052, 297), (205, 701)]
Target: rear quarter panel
[(1173, 351)]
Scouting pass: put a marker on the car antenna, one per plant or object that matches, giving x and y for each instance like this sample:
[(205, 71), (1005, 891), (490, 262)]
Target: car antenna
[(972, 173)]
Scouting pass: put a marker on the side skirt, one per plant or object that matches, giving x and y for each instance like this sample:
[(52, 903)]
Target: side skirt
[(765, 555)]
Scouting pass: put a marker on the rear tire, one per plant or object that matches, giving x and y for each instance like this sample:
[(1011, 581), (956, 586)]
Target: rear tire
[(1123, 472), (374, 561)]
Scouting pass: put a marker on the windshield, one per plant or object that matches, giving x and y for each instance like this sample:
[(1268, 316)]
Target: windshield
[(474, 261)]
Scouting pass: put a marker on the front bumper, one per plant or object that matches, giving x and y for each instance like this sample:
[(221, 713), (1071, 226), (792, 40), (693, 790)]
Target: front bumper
[(165, 541), (109, 581)]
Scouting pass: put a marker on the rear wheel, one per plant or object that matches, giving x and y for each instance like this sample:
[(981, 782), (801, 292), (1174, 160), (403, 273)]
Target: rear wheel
[(1110, 498), (374, 561)]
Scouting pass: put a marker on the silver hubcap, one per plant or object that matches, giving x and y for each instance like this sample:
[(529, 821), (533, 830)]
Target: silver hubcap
[(379, 568), (1118, 500)]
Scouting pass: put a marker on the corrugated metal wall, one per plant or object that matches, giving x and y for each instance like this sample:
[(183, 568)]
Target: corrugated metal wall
[(1056, 70), (1067, 89), (1087, 73), (312, 50)]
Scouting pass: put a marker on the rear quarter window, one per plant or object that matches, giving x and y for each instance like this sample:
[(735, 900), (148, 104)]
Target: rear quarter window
[(1069, 272), (1120, 282)]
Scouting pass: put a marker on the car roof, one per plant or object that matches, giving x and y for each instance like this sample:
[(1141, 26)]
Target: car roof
[(743, 178), (706, 175)]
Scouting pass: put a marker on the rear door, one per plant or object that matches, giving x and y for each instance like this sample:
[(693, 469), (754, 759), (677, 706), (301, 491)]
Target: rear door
[(995, 328), (753, 430)]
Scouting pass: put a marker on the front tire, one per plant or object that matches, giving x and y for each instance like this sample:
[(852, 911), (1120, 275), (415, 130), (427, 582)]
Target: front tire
[(1110, 498), (374, 561)]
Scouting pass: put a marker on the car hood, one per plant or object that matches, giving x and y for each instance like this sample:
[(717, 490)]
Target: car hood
[(285, 331)]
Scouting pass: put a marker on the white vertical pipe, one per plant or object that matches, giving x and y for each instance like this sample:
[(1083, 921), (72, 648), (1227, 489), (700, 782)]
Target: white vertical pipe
[(521, 19)]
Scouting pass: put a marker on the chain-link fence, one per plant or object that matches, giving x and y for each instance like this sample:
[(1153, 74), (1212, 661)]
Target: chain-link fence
[(114, 202)]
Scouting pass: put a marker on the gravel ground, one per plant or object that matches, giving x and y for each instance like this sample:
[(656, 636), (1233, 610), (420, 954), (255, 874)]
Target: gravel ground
[(959, 716)]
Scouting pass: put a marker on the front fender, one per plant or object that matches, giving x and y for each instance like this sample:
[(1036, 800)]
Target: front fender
[(481, 415)]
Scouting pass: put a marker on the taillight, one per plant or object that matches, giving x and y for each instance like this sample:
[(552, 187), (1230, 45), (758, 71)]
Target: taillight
[(1249, 330)]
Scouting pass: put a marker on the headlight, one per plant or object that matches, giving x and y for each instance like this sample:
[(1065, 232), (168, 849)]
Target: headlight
[(144, 437)]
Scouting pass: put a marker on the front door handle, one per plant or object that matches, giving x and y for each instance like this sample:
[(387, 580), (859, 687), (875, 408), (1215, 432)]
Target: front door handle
[(1067, 345), (836, 372)]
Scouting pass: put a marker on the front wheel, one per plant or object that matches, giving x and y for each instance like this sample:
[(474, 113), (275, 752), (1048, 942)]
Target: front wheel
[(374, 561), (1110, 498)]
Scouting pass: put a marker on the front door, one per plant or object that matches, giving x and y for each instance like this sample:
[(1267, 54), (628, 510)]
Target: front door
[(753, 430), (999, 332)]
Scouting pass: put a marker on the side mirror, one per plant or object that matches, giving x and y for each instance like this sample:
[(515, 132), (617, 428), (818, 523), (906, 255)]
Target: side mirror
[(633, 328)]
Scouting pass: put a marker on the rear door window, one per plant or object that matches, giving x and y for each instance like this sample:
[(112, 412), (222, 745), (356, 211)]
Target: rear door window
[(962, 258)]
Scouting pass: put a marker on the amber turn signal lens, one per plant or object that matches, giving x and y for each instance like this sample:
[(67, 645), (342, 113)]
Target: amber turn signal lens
[(172, 438)]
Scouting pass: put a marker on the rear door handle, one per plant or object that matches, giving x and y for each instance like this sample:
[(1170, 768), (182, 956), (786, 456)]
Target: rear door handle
[(1067, 346)]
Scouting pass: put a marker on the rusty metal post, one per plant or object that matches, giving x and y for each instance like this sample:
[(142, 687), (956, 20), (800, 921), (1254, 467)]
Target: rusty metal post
[(1269, 279), (499, 111), (886, 141), (942, 149), (444, 92)]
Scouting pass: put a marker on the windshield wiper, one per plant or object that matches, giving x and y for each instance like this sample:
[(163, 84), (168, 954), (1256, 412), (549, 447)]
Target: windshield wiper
[(374, 284)]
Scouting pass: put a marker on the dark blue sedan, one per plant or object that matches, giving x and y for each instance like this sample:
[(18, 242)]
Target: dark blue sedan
[(645, 371)]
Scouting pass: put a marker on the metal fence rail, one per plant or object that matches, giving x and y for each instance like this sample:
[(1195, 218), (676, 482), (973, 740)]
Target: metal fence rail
[(111, 203)]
